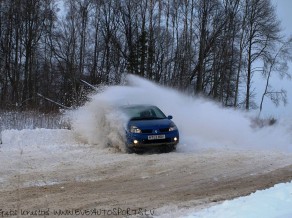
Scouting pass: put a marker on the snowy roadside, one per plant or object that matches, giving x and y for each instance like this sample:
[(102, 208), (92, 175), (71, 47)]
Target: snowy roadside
[(274, 202)]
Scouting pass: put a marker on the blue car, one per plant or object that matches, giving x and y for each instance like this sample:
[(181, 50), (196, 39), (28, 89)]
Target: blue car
[(149, 128)]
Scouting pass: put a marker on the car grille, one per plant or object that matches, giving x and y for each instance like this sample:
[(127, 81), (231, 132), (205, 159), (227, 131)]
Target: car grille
[(146, 130), (151, 130), (157, 141)]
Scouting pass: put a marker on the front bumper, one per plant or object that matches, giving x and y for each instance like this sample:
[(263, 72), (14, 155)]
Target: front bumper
[(140, 140)]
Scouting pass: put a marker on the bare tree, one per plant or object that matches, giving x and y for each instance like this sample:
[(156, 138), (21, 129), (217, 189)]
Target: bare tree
[(208, 13), (277, 63), (262, 32), (206, 47)]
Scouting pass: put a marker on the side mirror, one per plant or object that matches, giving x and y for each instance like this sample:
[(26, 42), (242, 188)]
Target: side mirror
[(169, 117)]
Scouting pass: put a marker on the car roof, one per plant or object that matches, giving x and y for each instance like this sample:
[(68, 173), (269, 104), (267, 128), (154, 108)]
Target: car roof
[(138, 106)]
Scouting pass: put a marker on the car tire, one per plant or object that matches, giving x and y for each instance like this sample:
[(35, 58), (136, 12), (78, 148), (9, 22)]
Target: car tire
[(168, 149), (129, 150)]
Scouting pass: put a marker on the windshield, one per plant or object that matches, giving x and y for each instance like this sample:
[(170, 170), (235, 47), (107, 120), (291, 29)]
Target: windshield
[(143, 112)]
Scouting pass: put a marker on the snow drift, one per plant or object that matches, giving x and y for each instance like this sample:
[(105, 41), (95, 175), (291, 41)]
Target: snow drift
[(202, 123)]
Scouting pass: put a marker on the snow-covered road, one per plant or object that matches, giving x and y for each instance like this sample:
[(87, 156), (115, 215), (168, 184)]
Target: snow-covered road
[(45, 168)]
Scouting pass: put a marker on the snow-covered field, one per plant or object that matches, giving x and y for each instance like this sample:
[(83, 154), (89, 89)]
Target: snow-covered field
[(220, 157)]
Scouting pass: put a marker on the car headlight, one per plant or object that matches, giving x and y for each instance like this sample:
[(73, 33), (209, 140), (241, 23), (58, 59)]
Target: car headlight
[(135, 129), (172, 128)]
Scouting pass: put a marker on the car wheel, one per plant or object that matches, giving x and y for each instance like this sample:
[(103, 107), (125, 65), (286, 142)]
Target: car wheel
[(129, 150), (168, 149)]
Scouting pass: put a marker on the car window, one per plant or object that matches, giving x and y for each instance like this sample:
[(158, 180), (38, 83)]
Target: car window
[(143, 112)]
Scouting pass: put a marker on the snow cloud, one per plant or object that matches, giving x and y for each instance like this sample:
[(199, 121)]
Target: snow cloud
[(202, 124)]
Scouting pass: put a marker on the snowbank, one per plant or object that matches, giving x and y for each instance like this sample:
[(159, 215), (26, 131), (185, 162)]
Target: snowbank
[(271, 203)]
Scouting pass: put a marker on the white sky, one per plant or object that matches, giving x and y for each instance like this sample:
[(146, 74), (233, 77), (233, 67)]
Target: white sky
[(285, 16)]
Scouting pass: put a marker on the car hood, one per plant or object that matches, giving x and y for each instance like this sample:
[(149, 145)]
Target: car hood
[(161, 123)]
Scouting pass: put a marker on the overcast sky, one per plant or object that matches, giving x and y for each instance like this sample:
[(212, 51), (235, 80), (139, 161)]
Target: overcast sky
[(284, 13), (285, 16)]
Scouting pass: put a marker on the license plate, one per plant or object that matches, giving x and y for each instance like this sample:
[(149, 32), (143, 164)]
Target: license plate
[(153, 137)]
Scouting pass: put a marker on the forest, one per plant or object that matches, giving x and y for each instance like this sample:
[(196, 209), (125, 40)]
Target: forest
[(210, 48)]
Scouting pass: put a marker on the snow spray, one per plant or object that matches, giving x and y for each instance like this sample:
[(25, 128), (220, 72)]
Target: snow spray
[(203, 124)]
